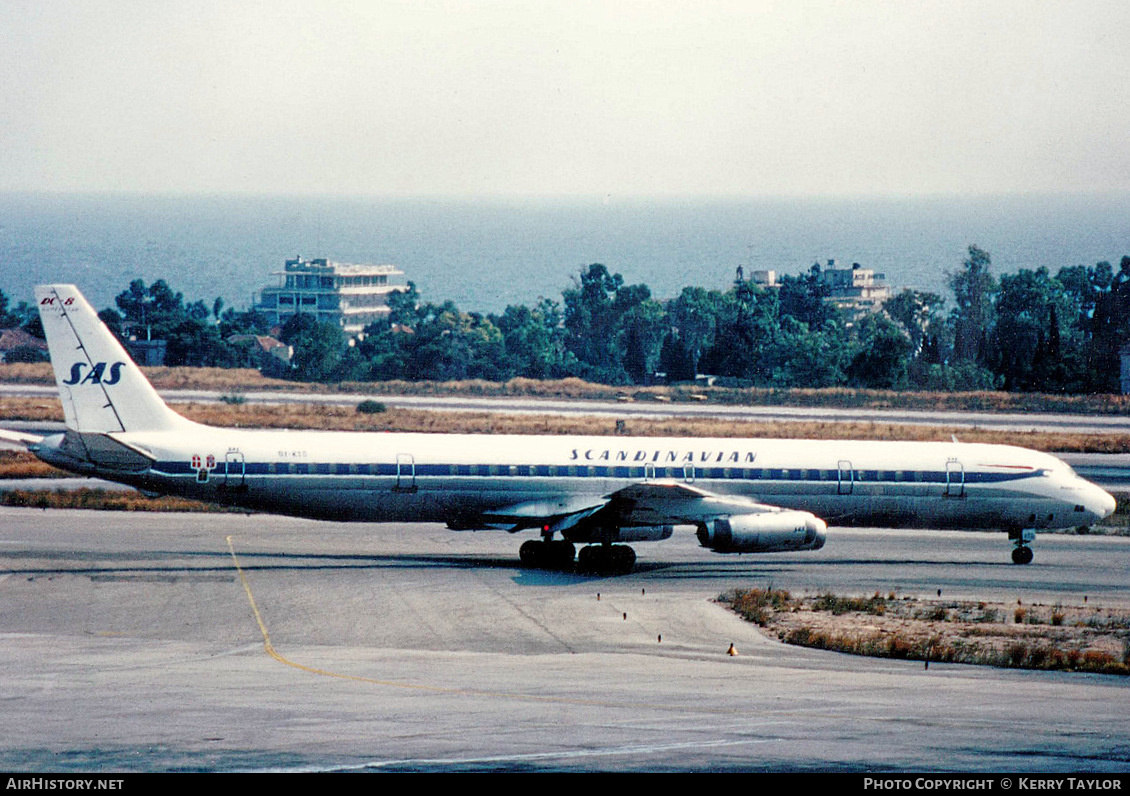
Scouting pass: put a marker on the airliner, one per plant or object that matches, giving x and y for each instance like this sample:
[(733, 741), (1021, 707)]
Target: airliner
[(739, 495)]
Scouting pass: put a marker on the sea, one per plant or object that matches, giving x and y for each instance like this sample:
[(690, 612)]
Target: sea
[(485, 254)]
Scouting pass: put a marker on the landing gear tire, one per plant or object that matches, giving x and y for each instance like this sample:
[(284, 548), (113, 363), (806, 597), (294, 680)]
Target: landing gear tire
[(606, 559), (547, 555), (1022, 555), (560, 555), (530, 553)]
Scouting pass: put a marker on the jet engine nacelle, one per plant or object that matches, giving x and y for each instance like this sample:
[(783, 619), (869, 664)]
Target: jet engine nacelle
[(644, 533), (764, 533)]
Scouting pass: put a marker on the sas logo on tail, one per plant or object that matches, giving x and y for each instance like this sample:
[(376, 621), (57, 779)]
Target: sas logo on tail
[(96, 373)]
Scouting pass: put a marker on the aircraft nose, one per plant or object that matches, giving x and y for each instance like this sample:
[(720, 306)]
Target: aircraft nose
[(1106, 504)]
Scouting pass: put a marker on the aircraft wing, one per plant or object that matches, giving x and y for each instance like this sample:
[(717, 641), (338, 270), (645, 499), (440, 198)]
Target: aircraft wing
[(726, 523), (556, 514), (640, 504)]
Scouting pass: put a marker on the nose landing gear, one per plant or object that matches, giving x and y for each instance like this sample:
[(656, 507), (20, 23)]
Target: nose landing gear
[(1022, 553)]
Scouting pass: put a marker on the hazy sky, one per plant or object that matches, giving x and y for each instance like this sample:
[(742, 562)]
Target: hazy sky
[(580, 98)]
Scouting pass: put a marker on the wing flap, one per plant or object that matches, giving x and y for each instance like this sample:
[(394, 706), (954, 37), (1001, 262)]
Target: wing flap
[(677, 502), (556, 514)]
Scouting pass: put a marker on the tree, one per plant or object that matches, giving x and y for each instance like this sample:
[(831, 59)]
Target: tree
[(917, 312), (884, 357), (803, 357), (1028, 306), (642, 329), (402, 305), (534, 340), (694, 318), (972, 288), (590, 324), (613, 330), (153, 311), (746, 331), (7, 320), (318, 347), (804, 297)]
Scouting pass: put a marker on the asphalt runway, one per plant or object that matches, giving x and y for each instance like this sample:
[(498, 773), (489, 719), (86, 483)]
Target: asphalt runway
[(136, 642)]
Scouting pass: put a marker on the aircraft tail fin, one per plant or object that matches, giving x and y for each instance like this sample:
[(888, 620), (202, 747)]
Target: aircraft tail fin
[(101, 388)]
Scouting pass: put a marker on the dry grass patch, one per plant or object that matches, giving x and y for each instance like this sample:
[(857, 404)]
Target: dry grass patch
[(22, 464), (243, 379), (104, 500), (39, 409), (1061, 637)]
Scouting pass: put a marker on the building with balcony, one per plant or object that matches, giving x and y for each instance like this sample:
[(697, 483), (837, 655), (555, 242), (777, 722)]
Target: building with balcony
[(345, 294), (857, 289)]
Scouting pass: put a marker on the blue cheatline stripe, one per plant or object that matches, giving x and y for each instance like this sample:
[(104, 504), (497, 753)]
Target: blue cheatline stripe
[(338, 470)]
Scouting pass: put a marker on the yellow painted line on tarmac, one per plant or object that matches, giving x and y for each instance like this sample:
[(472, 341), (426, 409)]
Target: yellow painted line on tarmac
[(270, 650), (768, 716)]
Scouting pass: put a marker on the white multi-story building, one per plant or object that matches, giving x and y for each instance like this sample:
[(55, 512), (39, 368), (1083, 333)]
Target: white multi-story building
[(855, 289), (351, 296)]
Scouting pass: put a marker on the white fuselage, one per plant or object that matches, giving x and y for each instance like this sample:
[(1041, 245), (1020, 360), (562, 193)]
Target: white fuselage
[(461, 478)]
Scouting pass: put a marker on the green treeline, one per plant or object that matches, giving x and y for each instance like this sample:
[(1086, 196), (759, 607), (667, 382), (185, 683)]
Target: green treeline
[(1028, 331)]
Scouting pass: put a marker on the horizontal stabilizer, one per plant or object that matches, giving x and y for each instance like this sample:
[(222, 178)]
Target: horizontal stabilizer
[(19, 437)]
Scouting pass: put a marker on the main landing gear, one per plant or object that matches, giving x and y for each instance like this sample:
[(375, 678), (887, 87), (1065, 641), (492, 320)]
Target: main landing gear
[(1022, 553), (547, 554), (615, 559), (608, 559)]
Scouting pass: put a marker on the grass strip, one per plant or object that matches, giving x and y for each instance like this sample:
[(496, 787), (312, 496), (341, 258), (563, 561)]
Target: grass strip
[(1075, 638)]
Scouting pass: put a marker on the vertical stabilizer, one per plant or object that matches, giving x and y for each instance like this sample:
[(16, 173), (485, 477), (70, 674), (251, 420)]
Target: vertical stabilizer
[(101, 388)]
